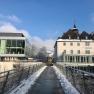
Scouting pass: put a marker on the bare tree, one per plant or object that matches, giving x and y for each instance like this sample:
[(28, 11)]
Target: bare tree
[(42, 54)]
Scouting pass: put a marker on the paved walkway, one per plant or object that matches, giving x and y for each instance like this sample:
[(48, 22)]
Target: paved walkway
[(47, 83)]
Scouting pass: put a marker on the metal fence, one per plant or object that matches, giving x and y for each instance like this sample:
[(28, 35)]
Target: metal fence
[(12, 78), (83, 81)]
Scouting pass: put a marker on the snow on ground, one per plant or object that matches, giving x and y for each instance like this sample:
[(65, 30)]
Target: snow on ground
[(66, 85), (26, 84)]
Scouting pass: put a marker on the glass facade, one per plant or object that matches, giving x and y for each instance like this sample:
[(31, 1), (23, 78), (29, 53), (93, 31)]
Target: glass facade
[(12, 46)]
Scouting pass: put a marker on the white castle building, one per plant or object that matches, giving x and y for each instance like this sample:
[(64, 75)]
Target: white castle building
[(74, 46)]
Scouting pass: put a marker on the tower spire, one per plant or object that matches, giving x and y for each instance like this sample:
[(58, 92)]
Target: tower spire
[(74, 26)]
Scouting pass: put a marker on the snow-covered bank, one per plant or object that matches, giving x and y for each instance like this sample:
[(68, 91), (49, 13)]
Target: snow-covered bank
[(66, 85), (26, 84)]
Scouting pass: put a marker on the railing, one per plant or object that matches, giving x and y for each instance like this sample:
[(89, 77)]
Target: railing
[(83, 81), (12, 78)]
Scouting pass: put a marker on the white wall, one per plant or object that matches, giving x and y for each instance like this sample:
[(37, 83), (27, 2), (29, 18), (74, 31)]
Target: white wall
[(75, 48)]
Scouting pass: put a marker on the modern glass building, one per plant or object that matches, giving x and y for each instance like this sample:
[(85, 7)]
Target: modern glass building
[(12, 46)]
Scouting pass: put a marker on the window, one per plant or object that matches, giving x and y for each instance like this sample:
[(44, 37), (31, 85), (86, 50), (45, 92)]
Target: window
[(87, 43), (64, 43), (8, 51), (87, 51), (13, 43), (71, 51), (71, 44), (78, 51), (78, 44), (64, 52), (13, 51), (8, 44), (20, 43)]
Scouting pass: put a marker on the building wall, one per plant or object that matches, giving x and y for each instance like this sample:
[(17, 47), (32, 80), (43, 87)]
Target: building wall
[(60, 49), (74, 47)]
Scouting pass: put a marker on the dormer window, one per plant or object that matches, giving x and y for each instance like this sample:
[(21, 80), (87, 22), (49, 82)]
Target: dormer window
[(86, 37), (77, 37), (69, 37)]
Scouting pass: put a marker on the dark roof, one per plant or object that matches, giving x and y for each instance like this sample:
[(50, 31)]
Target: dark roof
[(11, 34), (74, 33)]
